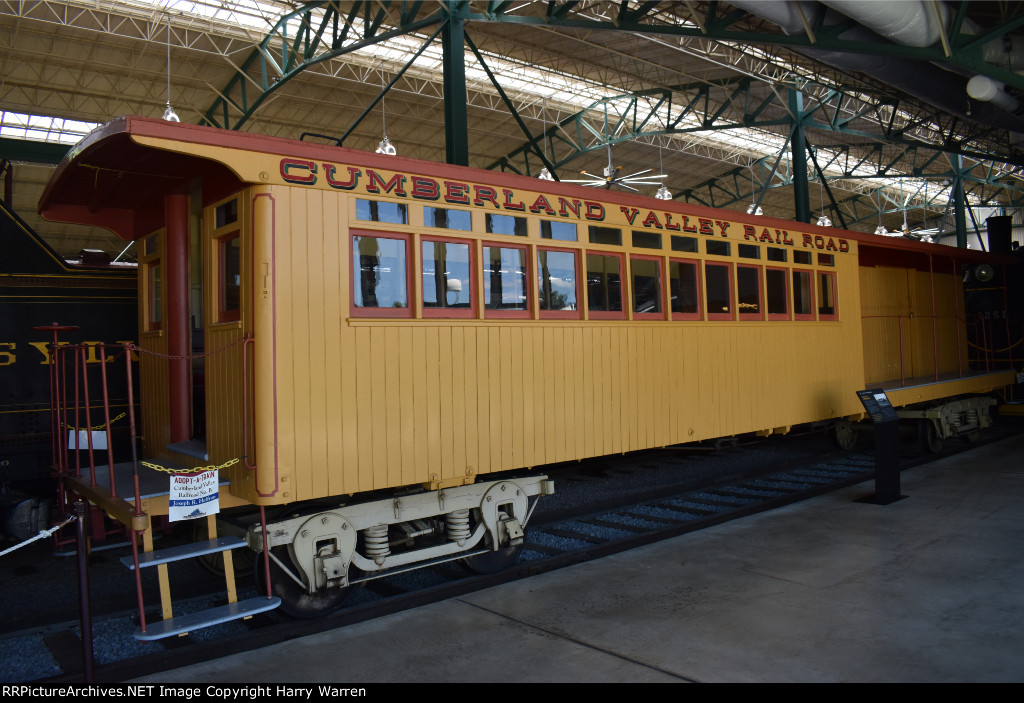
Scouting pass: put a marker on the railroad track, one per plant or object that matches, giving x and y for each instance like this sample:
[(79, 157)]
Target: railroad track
[(722, 486)]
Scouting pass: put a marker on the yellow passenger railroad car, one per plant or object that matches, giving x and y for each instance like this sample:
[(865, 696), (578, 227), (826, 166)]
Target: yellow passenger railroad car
[(391, 332)]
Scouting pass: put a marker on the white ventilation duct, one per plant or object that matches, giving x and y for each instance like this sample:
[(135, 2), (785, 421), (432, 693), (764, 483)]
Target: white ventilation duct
[(908, 22), (988, 90), (927, 82)]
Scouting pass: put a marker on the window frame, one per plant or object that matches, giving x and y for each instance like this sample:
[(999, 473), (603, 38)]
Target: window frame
[(719, 316), (151, 260), (490, 313), (410, 289), (660, 268), (447, 312), (759, 315), (221, 242), (576, 314), (834, 315), (624, 301), (813, 306), (698, 280), (788, 298)]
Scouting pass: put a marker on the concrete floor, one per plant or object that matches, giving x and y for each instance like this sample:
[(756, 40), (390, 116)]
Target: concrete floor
[(930, 588)]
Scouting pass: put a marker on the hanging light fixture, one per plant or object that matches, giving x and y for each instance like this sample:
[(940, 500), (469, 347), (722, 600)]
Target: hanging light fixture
[(385, 146), (753, 208), (169, 114), (663, 192), (545, 174), (823, 220), (880, 230)]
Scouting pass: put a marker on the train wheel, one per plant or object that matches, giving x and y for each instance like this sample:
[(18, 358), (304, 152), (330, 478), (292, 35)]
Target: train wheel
[(972, 436), (493, 562), (844, 435), (930, 439), (296, 601)]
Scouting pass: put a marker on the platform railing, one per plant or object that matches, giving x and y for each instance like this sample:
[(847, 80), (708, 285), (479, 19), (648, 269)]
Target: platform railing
[(75, 404)]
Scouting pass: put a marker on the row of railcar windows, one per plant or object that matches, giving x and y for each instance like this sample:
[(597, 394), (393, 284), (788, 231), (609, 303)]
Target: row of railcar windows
[(494, 223), (612, 283)]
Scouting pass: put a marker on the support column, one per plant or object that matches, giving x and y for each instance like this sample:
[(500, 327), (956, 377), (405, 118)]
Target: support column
[(959, 201), (453, 61), (798, 159), (177, 324)]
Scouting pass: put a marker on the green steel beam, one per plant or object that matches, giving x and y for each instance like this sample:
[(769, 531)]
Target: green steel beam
[(32, 151), (314, 32), (453, 62)]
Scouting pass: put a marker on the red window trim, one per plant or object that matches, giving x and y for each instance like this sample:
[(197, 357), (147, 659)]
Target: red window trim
[(450, 313), (732, 303), (356, 311), (835, 298), (789, 303), (661, 314), (609, 314), (561, 314), (759, 315), (224, 315), (698, 279), (510, 314), (813, 305)]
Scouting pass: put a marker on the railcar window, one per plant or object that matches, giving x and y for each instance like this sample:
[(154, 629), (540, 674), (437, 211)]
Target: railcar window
[(777, 254), (447, 218), (645, 276), (447, 282), (505, 274), (718, 285), (605, 235), (802, 257), (382, 211), (604, 286), (827, 296), (557, 282), (226, 214), (684, 243), (684, 290), (777, 283), (748, 251), (562, 231), (229, 251), (506, 224), (380, 284), (647, 240), (717, 248), (826, 259), (748, 292), (155, 296), (803, 295)]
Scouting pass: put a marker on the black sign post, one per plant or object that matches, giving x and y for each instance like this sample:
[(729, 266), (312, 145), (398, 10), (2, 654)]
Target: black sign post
[(887, 447)]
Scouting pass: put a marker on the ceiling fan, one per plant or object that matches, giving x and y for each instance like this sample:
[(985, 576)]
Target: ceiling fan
[(611, 177)]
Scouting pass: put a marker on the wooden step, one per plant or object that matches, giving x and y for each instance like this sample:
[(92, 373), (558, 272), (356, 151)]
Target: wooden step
[(206, 618), (185, 551)]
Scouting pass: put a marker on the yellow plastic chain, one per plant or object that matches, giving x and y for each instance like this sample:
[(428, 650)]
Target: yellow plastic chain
[(196, 470), (97, 428)]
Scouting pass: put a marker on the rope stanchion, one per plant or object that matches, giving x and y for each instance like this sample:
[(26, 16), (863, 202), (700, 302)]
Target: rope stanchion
[(43, 534)]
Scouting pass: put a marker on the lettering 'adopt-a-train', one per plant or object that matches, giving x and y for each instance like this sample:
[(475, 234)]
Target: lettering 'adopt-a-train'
[(388, 350)]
